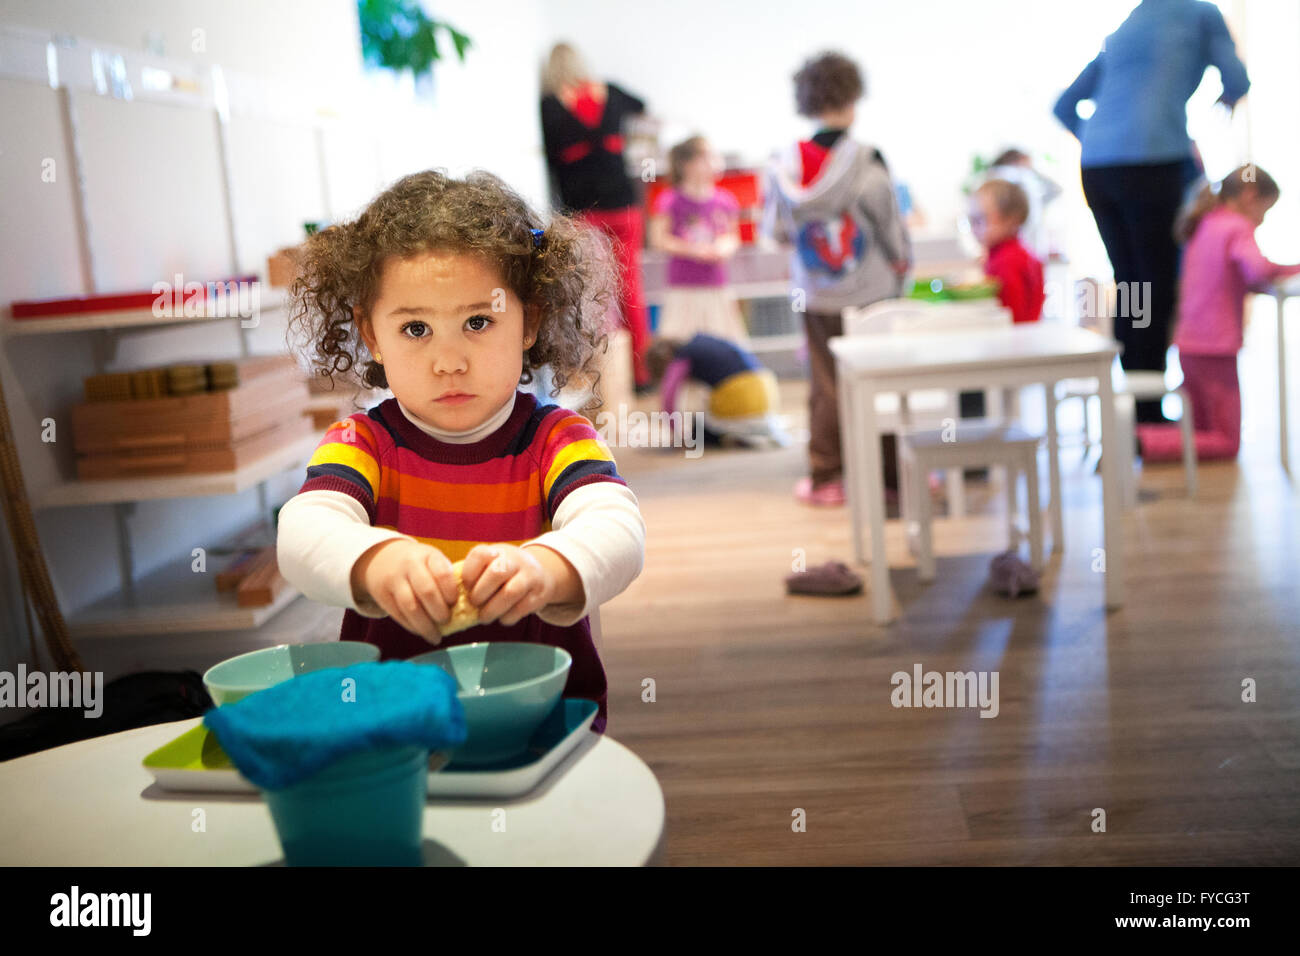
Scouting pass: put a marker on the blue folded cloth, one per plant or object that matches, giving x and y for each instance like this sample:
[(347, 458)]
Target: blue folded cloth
[(289, 731)]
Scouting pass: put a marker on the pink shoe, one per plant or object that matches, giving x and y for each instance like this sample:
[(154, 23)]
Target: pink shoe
[(831, 494)]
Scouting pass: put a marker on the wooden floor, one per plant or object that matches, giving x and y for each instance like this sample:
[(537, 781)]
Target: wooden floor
[(767, 704)]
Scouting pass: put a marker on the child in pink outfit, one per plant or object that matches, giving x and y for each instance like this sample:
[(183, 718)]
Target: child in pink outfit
[(1221, 264)]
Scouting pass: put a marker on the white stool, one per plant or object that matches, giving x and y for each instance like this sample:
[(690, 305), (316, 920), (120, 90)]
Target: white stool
[(1130, 387), (971, 444), (1151, 386), (1098, 310)]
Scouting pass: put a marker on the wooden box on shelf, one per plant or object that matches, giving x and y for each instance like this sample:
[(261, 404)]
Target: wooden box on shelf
[(282, 267), (190, 459), (335, 401), (193, 434), (262, 582)]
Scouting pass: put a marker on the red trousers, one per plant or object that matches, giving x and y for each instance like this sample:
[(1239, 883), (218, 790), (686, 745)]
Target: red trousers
[(626, 230), (1211, 384)]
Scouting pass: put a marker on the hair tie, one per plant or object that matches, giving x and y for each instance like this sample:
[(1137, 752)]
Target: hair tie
[(537, 237)]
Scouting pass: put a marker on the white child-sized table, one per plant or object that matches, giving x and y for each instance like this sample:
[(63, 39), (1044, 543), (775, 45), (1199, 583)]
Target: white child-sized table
[(1040, 354), (1283, 291), (91, 803)]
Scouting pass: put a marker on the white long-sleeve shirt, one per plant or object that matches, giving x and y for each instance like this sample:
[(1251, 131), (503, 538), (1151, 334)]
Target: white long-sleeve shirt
[(597, 528)]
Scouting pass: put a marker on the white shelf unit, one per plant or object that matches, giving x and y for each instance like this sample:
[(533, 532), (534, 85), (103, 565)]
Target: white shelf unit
[(117, 490), (775, 343), (779, 289), (272, 299), (170, 601), (173, 600)]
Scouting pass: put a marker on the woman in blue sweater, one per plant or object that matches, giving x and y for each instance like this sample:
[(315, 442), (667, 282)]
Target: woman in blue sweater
[(1137, 158)]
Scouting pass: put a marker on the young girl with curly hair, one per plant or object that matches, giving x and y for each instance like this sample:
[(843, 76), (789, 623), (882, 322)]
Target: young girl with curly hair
[(450, 293)]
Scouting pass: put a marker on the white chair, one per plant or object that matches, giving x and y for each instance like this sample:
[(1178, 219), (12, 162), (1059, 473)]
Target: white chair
[(1135, 384), (930, 407), (1095, 302), (971, 444)]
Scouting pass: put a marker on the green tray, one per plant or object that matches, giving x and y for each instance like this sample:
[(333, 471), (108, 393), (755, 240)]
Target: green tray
[(195, 762)]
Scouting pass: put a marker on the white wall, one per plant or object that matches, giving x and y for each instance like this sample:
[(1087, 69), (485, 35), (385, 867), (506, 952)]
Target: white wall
[(298, 42), (1268, 39), (484, 112)]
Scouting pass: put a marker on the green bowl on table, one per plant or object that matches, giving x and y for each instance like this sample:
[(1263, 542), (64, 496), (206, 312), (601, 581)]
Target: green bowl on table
[(507, 689), (236, 678), (939, 289)]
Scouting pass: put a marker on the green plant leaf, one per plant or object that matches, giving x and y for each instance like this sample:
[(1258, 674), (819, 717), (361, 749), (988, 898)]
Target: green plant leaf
[(462, 42), (398, 35)]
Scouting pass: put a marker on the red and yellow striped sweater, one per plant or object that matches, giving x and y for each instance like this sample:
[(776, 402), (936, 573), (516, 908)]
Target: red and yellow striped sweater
[(505, 488)]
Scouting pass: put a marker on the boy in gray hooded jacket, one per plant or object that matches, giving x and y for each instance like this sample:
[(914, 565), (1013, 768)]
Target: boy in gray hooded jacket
[(832, 198)]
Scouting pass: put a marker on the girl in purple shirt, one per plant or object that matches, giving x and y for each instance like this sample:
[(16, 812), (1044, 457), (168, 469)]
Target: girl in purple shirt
[(697, 224), (1221, 264)]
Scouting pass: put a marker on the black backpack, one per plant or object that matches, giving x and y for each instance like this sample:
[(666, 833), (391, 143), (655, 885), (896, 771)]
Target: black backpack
[(130, 701)]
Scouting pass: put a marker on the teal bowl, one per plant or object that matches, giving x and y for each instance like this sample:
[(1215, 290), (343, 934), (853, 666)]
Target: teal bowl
[(236, 678), (507, 689)]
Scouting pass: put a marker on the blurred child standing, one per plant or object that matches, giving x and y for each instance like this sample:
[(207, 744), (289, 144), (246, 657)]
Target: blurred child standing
[(697, 224), (832, 198), (1221, 264)]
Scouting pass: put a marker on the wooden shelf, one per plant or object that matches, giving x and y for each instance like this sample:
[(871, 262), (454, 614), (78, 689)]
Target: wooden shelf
[(173, 600), (72, 493), (271, 300)]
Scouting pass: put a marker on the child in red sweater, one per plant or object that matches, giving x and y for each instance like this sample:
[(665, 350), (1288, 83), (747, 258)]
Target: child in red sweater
[(1001, 208)]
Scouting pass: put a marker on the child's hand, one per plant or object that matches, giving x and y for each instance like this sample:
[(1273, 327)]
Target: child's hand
[(413, 582), (505, 582), (707, 252)]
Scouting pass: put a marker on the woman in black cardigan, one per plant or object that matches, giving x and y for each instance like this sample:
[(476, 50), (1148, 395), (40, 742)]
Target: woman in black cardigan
[(582, 128)]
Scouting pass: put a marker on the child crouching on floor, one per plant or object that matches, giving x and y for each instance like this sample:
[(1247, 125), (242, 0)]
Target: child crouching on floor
[(743, 396)]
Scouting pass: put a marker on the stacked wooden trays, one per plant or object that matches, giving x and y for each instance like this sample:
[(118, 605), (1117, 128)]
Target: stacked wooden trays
[(194, 433)]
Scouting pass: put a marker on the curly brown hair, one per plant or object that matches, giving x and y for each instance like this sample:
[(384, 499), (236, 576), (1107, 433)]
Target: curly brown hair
[(570, 277), (827, 82)]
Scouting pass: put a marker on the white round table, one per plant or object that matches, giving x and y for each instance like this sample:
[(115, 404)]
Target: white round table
[(91, 803)]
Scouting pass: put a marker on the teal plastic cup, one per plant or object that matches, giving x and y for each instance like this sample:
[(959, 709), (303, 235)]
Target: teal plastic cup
[(366, 809)]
